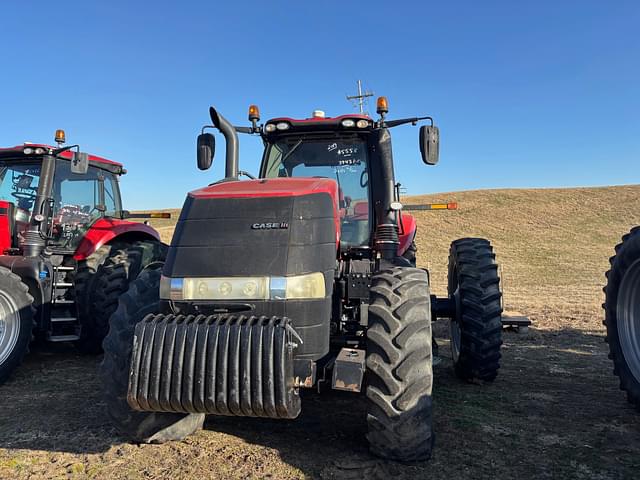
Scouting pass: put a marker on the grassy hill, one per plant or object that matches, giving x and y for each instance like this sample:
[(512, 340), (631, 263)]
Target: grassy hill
[(553, 245)]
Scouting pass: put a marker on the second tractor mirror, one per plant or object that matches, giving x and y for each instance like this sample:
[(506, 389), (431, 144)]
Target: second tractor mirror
[(79, 163), (206, 150), (430, 144)]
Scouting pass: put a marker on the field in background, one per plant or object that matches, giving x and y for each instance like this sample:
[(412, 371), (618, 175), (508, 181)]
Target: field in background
[(554, 412)]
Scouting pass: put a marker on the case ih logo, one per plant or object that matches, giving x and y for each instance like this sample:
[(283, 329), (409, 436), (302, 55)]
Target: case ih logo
[(270, 226)]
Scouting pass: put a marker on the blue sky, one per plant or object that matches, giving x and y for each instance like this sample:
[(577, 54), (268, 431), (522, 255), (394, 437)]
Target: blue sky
[(526, 94)]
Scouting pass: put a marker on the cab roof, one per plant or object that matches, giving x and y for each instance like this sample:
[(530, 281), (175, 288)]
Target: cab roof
[(18, 152), (319, 124)]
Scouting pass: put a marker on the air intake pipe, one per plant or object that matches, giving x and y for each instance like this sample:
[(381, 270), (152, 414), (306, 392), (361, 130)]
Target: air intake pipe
[(231, 140), (33, 240), (386, 234)]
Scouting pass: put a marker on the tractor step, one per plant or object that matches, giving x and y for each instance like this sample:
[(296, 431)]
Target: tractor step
[(63, 338), (63, 301), (64, 319)]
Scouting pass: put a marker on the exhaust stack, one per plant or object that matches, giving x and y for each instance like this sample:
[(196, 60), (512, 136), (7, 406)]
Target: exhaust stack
[(231, 140)]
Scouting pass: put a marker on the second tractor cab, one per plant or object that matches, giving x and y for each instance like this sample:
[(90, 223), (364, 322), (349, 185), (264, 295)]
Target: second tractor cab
[(302, 277), (63, 246)]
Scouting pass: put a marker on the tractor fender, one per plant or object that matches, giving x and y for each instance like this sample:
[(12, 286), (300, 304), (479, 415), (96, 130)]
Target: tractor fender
[(408, 230), (107, 229)]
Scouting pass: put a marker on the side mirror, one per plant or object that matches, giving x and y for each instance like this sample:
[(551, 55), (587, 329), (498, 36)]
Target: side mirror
[(206, 150), (430, 144), (80, 163)]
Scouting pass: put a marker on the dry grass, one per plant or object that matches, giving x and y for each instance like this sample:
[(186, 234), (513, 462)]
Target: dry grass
[(553, 412)]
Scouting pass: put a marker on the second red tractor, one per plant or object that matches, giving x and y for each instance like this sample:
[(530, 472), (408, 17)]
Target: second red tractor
[(63, 235)]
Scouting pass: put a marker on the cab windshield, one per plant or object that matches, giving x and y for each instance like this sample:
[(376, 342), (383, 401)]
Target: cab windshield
[(343, 159), (19, 183)]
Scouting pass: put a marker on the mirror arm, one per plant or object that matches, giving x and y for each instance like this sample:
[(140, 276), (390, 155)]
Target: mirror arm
[(249, 130), (404, 121), (58, 151)]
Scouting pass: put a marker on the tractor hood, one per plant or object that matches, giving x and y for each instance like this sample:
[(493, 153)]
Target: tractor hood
[(280, 226), (272, 228)]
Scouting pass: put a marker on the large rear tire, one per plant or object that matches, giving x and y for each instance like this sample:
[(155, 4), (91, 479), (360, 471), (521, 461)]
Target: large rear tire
[(84, 281), (622, 314), (111, 280), (399, 365), (476, 329), (141, 299), (16, 322)]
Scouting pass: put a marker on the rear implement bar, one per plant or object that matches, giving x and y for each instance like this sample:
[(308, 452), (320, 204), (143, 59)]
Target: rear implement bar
[(432, 206)]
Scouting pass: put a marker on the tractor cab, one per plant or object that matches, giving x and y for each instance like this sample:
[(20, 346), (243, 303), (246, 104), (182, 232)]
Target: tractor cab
[(70, 203), (339, 151)]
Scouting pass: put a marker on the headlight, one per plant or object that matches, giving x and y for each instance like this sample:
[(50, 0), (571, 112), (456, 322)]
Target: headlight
[(282, 126), (362, 123), (305, 286), (27, 150), (243, 288), (348, 123), (270, 127)]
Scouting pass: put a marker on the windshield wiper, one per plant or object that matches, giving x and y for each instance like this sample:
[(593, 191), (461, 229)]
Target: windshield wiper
[(293, 149)]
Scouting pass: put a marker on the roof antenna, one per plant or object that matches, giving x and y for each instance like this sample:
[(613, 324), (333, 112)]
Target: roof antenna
[(361, 98)]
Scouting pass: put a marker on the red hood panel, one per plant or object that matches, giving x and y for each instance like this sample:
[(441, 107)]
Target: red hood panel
[(273, 187)]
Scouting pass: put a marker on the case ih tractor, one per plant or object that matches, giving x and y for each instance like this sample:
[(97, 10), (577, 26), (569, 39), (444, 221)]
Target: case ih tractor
[(300, 278), (622, 314), (62, 234)]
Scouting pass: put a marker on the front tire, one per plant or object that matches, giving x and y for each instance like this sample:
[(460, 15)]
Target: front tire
[(476, 329), (622, 314), (141, 299), (399, 365), (16, 322)]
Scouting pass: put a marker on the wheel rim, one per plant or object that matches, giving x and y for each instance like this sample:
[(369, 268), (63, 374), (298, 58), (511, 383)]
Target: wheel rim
[(454, 326), (9, 326), (628, 318)]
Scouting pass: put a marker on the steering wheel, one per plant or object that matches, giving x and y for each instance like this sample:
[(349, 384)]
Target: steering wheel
[(23, 195), (364, 179)]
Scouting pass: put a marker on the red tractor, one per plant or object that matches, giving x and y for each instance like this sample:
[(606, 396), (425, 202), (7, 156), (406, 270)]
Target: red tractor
[(300, 278), (62, 233)]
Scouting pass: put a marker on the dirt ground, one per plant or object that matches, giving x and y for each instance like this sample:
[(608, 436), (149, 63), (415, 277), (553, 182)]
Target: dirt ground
[(555, 410)]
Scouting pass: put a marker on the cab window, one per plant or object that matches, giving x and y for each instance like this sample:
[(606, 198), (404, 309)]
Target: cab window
[(77, 203), (344, 160)]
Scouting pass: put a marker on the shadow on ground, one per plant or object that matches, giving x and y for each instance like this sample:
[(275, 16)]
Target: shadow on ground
[(554, 411)]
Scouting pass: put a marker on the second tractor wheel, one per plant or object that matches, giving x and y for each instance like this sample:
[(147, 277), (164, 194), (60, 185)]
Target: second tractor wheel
[(16, 322), (112, 279), (476, 328), (622, 314), (141, 299), (399, 365), (84, 286)]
